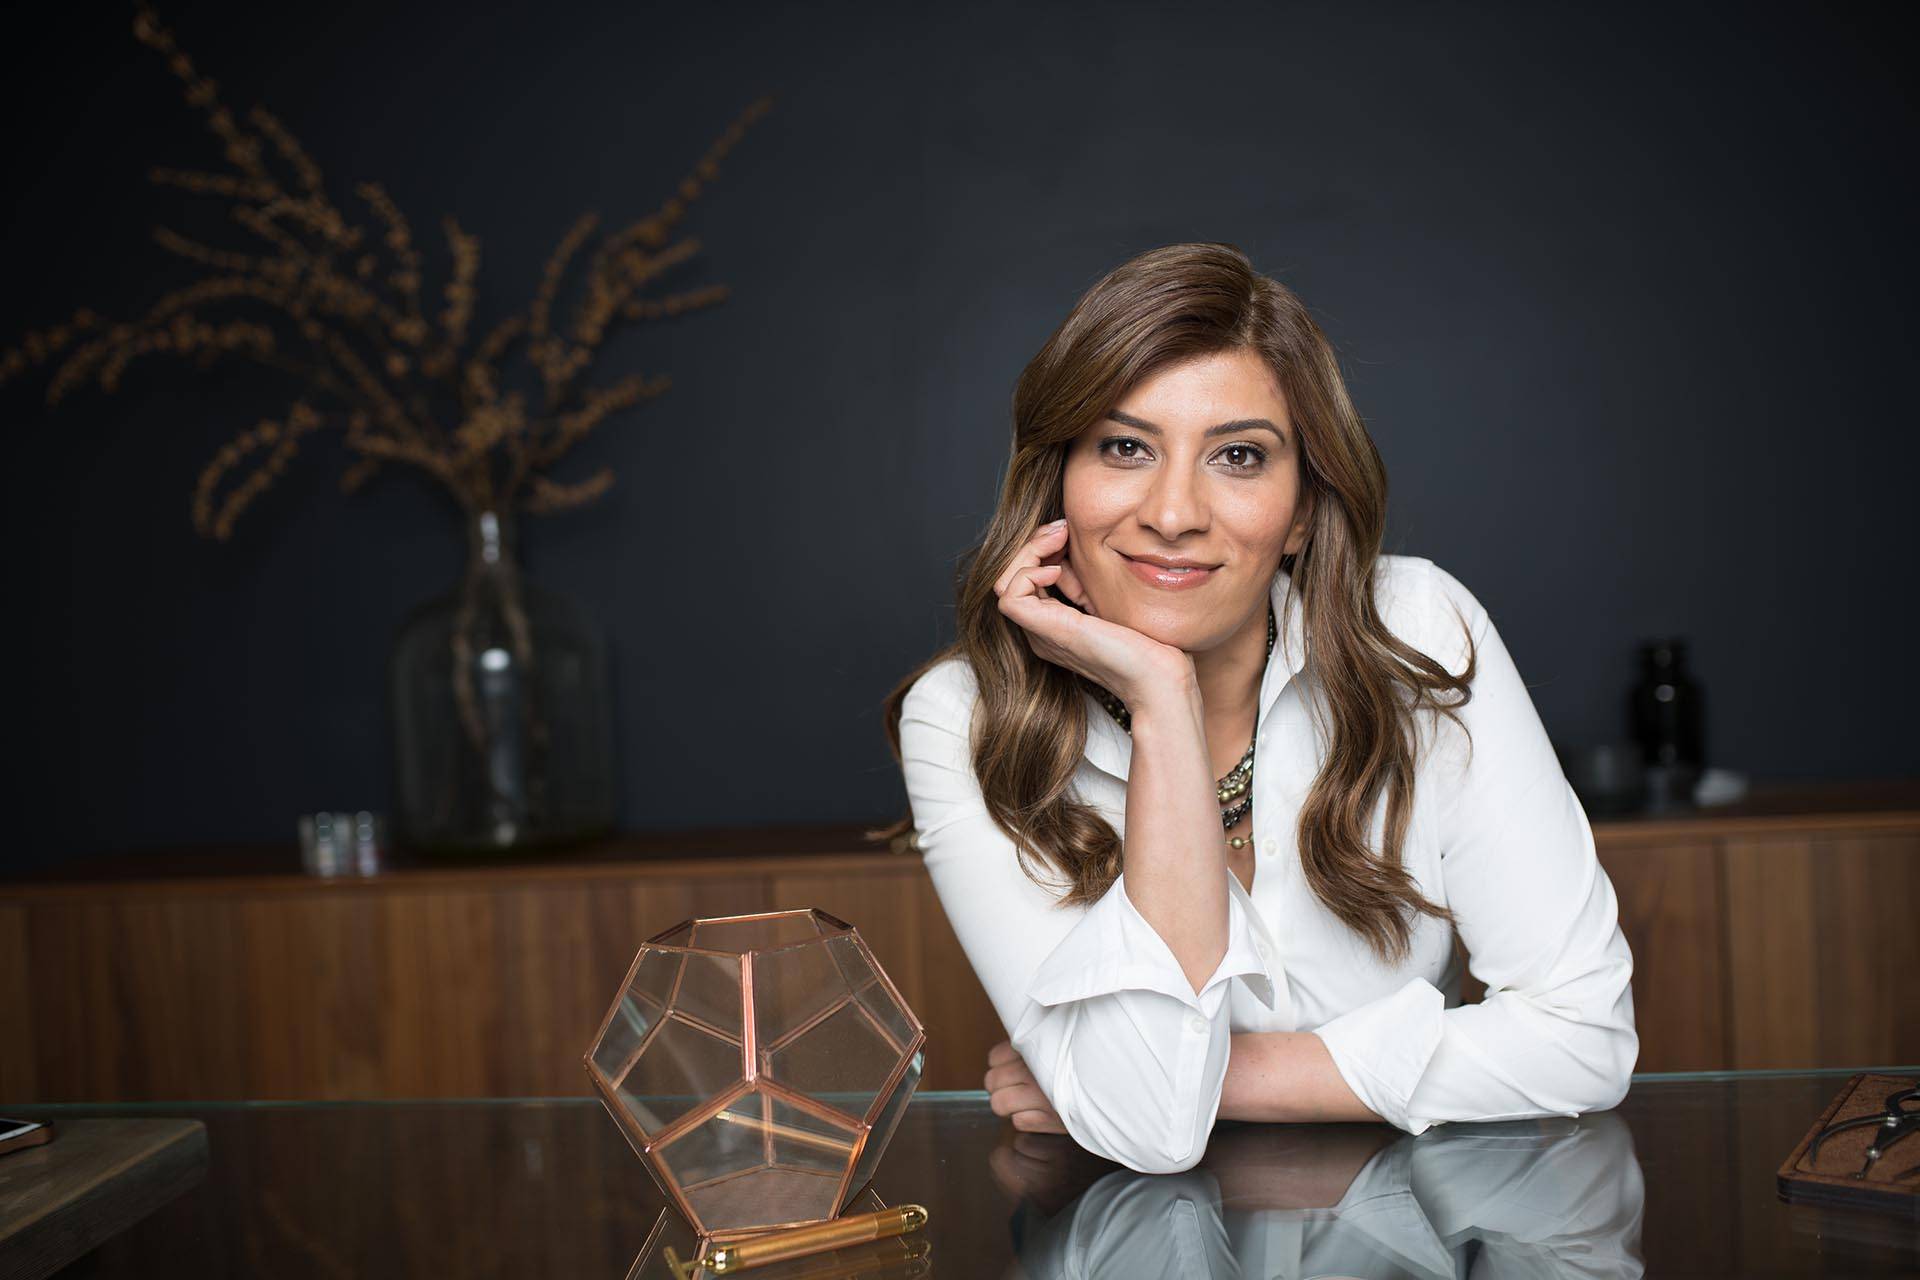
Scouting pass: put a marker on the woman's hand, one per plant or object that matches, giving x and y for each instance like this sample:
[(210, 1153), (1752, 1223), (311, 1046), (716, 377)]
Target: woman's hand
[(1048, 1171), (1012, 1092), (1120, 659)]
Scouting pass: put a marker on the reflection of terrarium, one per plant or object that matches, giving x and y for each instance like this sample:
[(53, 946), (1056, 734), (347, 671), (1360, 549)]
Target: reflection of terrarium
[(758, 1064)]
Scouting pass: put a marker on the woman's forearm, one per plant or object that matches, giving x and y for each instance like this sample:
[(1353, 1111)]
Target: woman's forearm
[(1286, 1077), (1175, 857)]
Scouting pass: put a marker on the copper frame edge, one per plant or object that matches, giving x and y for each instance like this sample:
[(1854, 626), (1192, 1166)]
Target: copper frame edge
[(694, 1117), (619, 998), (895, 991), (810, 1105), (669, 929)]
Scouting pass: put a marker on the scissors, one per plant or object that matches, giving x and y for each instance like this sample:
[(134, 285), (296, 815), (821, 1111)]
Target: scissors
[(1894, 1123)]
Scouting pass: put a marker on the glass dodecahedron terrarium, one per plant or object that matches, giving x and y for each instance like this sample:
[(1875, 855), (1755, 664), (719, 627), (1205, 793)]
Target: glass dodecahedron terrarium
[(758, 1064)]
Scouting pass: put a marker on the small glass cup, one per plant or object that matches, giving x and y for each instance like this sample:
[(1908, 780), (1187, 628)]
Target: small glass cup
[(343, 844)]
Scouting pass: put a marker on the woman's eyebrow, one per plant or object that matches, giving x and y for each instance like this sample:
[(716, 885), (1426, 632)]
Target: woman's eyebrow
[(1221, 429)]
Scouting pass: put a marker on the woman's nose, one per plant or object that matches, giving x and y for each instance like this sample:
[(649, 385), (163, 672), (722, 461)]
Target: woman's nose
[(1174, 503)]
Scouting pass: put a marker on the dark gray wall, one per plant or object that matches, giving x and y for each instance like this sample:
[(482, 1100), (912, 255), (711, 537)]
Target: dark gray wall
[(1624, 293)]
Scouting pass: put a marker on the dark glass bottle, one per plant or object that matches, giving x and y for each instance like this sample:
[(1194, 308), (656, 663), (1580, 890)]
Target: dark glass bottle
[(1667, 713), (1667, 706), (502, 729)]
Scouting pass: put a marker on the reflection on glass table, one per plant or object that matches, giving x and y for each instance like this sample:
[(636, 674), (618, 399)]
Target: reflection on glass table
[(1552, 1198), (1679, 1180)]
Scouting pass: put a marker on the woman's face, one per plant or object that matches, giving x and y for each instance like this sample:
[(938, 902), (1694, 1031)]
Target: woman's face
[(1198, 462)]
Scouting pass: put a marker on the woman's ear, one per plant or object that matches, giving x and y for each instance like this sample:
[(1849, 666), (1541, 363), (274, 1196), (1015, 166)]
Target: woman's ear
[(1302, 525)]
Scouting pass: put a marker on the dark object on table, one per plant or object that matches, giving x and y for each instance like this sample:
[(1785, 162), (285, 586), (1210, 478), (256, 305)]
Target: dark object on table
[(1666, 713), (61, 1200), (18, 1135), (1863, 1150)]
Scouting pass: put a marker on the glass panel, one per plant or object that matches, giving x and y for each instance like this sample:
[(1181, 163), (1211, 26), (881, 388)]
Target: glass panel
[(680, 1068), (893, 1017), (653, 980), (804, 1141), (842, 1061), (854, 966), (732, 1141), (613, 1052), (792, 985), (774, 930), (759, 1161), (891, 1109), (710, 991), (640, 1006), (670, 1232)]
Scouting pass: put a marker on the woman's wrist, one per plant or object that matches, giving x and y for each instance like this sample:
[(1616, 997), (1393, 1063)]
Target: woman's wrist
[(1171, 698), (1287, 1077)]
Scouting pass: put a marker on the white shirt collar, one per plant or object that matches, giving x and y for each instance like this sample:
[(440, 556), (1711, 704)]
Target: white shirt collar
[(1110, 748)]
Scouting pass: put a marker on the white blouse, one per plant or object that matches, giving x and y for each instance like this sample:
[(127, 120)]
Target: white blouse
[(1564, 1199), (1133, 1059)]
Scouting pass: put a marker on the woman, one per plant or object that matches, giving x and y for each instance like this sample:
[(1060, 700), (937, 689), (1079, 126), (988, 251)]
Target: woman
[(1179, 629)]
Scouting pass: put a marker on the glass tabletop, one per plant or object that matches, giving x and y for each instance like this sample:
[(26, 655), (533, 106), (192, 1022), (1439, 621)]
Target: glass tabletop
[(1677, 1180)]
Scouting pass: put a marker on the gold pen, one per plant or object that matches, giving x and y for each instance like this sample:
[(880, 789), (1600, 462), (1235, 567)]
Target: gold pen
[(856, 1228)]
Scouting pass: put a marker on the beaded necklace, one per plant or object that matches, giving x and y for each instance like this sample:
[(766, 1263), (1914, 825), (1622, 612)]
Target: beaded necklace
[(1236, 787)]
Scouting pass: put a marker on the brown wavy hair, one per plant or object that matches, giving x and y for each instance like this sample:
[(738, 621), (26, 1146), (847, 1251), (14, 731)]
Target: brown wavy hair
[(1030, 723)]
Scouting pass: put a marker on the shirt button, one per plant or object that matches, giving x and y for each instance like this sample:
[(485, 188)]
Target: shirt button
[(1267, 846), (1197, 1024), (1261, 947)]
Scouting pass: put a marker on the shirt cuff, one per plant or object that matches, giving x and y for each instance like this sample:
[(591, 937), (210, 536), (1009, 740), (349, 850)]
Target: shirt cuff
[(1113, 948), (1382, 1048)]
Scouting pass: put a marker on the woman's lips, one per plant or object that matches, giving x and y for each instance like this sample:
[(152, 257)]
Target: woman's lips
[(1167, 579)]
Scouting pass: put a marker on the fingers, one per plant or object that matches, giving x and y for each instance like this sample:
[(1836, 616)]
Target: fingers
[(1040, 575), (1069, 584), (1047, 540), (1016, 1098), (1048, 620), (1005, 1067), (1008, 1073), (1040, 1151), (1012, 1092), (1047, 543), (1038, 1122)]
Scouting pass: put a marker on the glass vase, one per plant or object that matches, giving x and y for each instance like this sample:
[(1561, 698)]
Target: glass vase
[(502, 733)]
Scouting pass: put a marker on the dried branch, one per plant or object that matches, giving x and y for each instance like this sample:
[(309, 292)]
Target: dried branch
[(337, 306)]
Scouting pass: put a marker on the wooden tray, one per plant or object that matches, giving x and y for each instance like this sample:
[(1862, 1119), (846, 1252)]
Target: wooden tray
[(1893, 1183)]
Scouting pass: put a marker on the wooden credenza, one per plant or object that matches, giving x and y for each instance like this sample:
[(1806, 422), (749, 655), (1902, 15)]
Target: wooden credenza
[(1776, 934)]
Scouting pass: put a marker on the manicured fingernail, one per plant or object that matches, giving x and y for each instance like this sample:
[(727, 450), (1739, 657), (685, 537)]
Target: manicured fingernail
[(1055, 524)]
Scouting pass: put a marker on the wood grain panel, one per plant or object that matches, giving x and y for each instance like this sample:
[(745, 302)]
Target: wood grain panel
[(958, 1009), (1770, 950), (1672, 916), (1867, 949), (1750, 950), (1824, 950), (311, 988), (19, 1076), (133, 1000)]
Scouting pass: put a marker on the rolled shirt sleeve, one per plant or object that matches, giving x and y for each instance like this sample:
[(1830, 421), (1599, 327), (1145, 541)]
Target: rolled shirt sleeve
[(1113, 1030), (1130, 1056), (1555, 1032)]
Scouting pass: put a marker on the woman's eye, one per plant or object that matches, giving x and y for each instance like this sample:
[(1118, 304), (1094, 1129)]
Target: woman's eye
[(1242, 457)]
